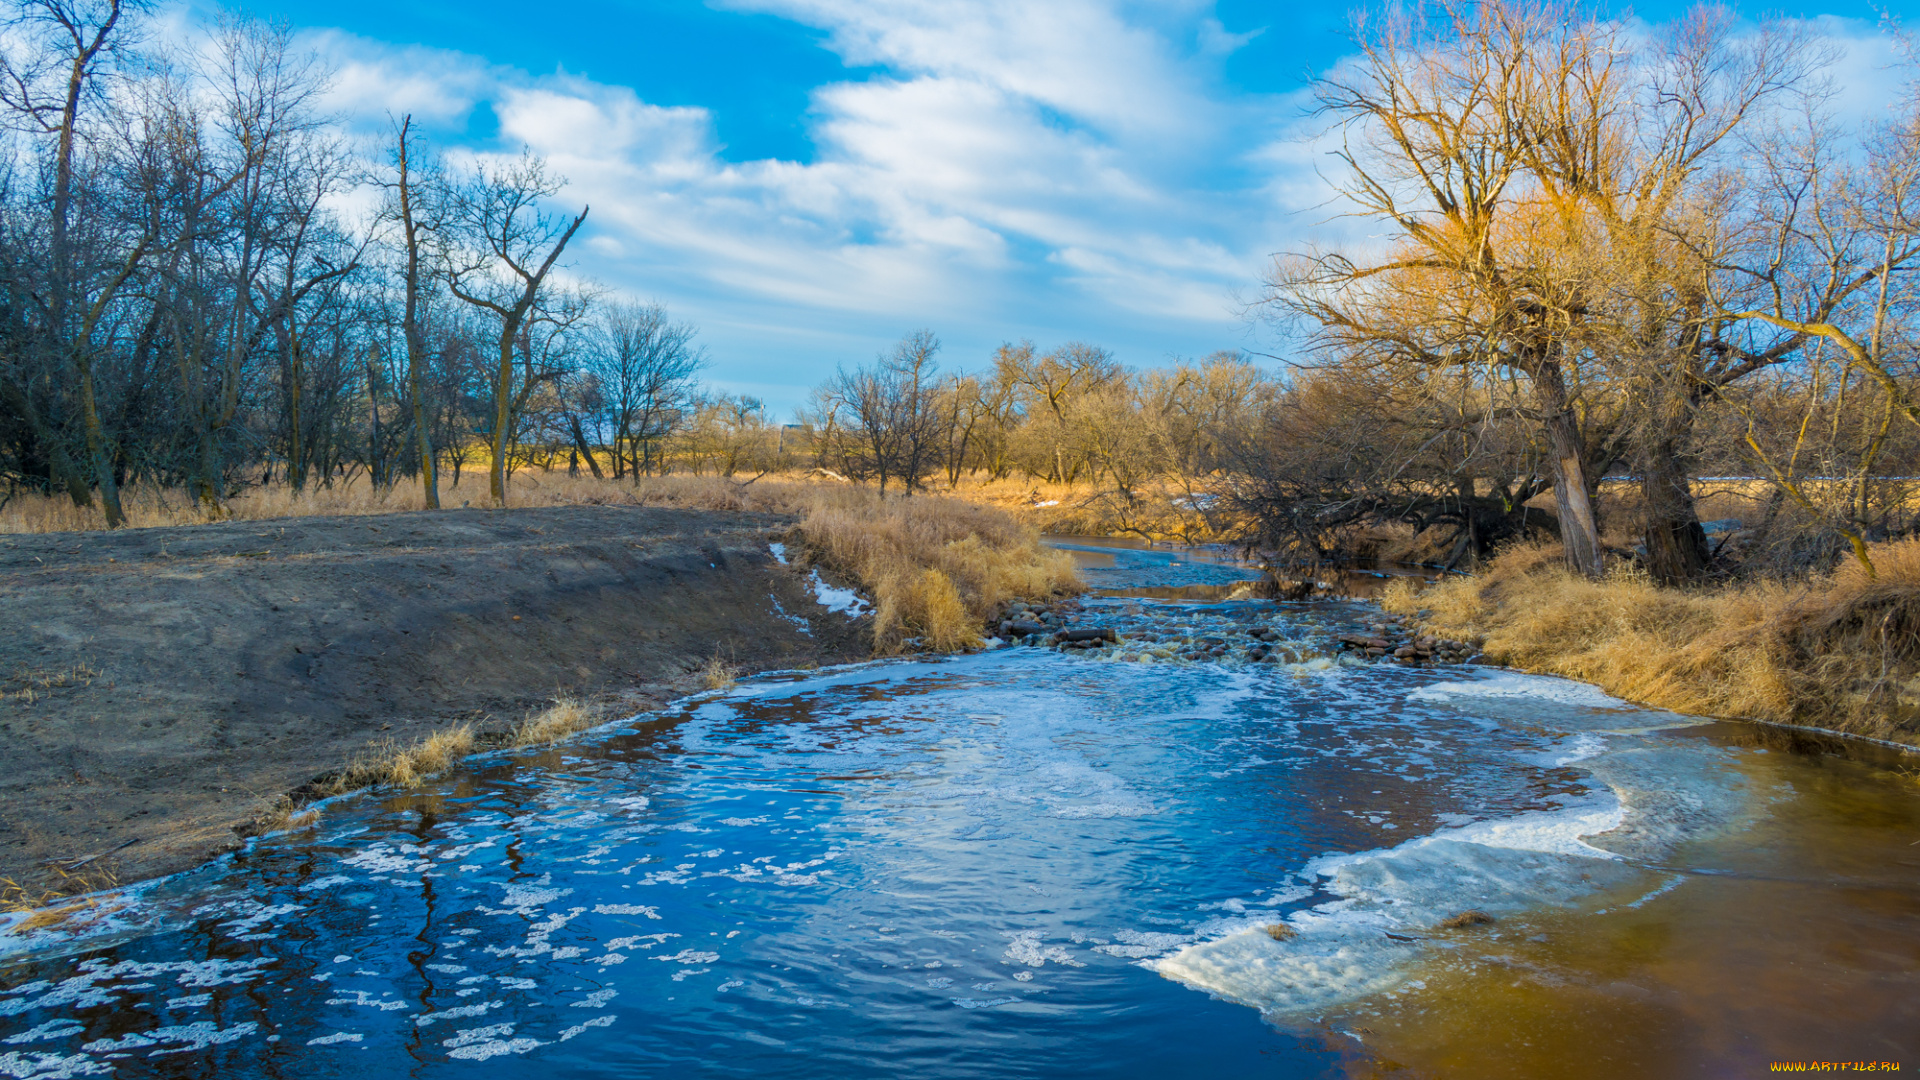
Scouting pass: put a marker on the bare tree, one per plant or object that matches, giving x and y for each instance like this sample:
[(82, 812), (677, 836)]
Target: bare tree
[(416, 203), (647, 365), (884, 421), (498, 265)]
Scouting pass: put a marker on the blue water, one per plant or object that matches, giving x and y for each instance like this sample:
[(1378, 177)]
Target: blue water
[(952, 868)]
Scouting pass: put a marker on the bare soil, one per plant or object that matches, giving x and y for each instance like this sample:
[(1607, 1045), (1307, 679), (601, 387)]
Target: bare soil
[(160, 688)]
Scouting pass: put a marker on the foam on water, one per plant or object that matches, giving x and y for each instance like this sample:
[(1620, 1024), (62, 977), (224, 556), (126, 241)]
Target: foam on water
[(1514, 685)]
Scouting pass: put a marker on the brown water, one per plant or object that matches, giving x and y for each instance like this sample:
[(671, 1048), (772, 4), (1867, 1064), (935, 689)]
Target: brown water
[(1794, 940)]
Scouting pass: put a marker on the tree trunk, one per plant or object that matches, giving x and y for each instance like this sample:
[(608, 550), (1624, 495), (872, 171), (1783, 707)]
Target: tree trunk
[(98, 454), (1676, 544), (61, 472), (502, 414), (580, 443), (296, 421), (1579, 529)]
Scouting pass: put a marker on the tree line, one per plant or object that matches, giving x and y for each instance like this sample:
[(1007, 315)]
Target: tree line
[(1601, 262)]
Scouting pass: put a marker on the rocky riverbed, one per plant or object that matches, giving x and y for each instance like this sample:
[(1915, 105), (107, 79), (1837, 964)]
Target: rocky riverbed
[(1315, 637)]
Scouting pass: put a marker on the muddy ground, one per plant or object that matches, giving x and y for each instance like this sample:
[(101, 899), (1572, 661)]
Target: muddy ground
[(160, 688)]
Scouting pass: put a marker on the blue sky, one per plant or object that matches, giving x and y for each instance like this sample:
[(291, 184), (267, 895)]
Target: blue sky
[(807, 180)]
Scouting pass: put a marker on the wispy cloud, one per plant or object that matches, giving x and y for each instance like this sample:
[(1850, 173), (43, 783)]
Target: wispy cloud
[(1078, 168)]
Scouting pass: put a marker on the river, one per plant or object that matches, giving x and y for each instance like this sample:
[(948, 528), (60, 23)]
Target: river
[(1023, 862)]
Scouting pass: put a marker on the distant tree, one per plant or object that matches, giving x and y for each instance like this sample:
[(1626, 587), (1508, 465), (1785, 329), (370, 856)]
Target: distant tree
[(884, 421), (648, 367)]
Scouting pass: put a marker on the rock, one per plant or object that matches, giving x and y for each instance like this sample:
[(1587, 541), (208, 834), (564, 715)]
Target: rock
[(1405, 652), (1099, 633), (1378, 643), (1025, 627)]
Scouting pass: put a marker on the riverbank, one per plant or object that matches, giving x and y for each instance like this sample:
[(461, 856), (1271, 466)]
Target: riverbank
[(166, 689), (1839, 651)]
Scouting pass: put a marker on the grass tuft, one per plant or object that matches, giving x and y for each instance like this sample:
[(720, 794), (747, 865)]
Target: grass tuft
[(561, 720), (389, 764), (1466, 919), (718, 674), (1280, 931)]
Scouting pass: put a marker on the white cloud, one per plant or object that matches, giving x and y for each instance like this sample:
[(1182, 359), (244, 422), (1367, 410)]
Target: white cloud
[(1073, 168), (1021, 169)]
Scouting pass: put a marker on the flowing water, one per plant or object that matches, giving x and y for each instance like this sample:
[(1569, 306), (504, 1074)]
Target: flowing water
[(1036, 863)]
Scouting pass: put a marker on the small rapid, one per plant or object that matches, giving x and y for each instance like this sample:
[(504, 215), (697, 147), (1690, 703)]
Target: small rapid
[(1138, 860)]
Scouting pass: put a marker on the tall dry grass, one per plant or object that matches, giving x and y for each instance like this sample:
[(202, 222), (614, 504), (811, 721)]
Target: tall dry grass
[(1840, 650), (936, 566), (150, 507)]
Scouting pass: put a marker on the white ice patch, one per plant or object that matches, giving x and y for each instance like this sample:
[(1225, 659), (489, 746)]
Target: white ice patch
[(336, 1038), (844, 601), (189, 1037), (1509, 685), (779, 553), (52, 1029), (383, 859), (428, 1019), (522, 899), (260, 916), (1027, 949), (690, 956), (1138, 945), (361, 997), (479, 1044), (36, 1066), (1583, 747), (626, 909), (581, 1029)]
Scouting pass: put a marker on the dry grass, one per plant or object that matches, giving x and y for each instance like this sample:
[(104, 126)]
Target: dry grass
[(1280, 931), (389, 764), (937, 567), (149, 507), (32, 684), (718, 674), (48, 907), (1839, 651), (1466, 919), (559, 721)]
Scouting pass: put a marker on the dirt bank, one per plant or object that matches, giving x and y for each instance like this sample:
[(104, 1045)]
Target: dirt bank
[(159, 687)]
